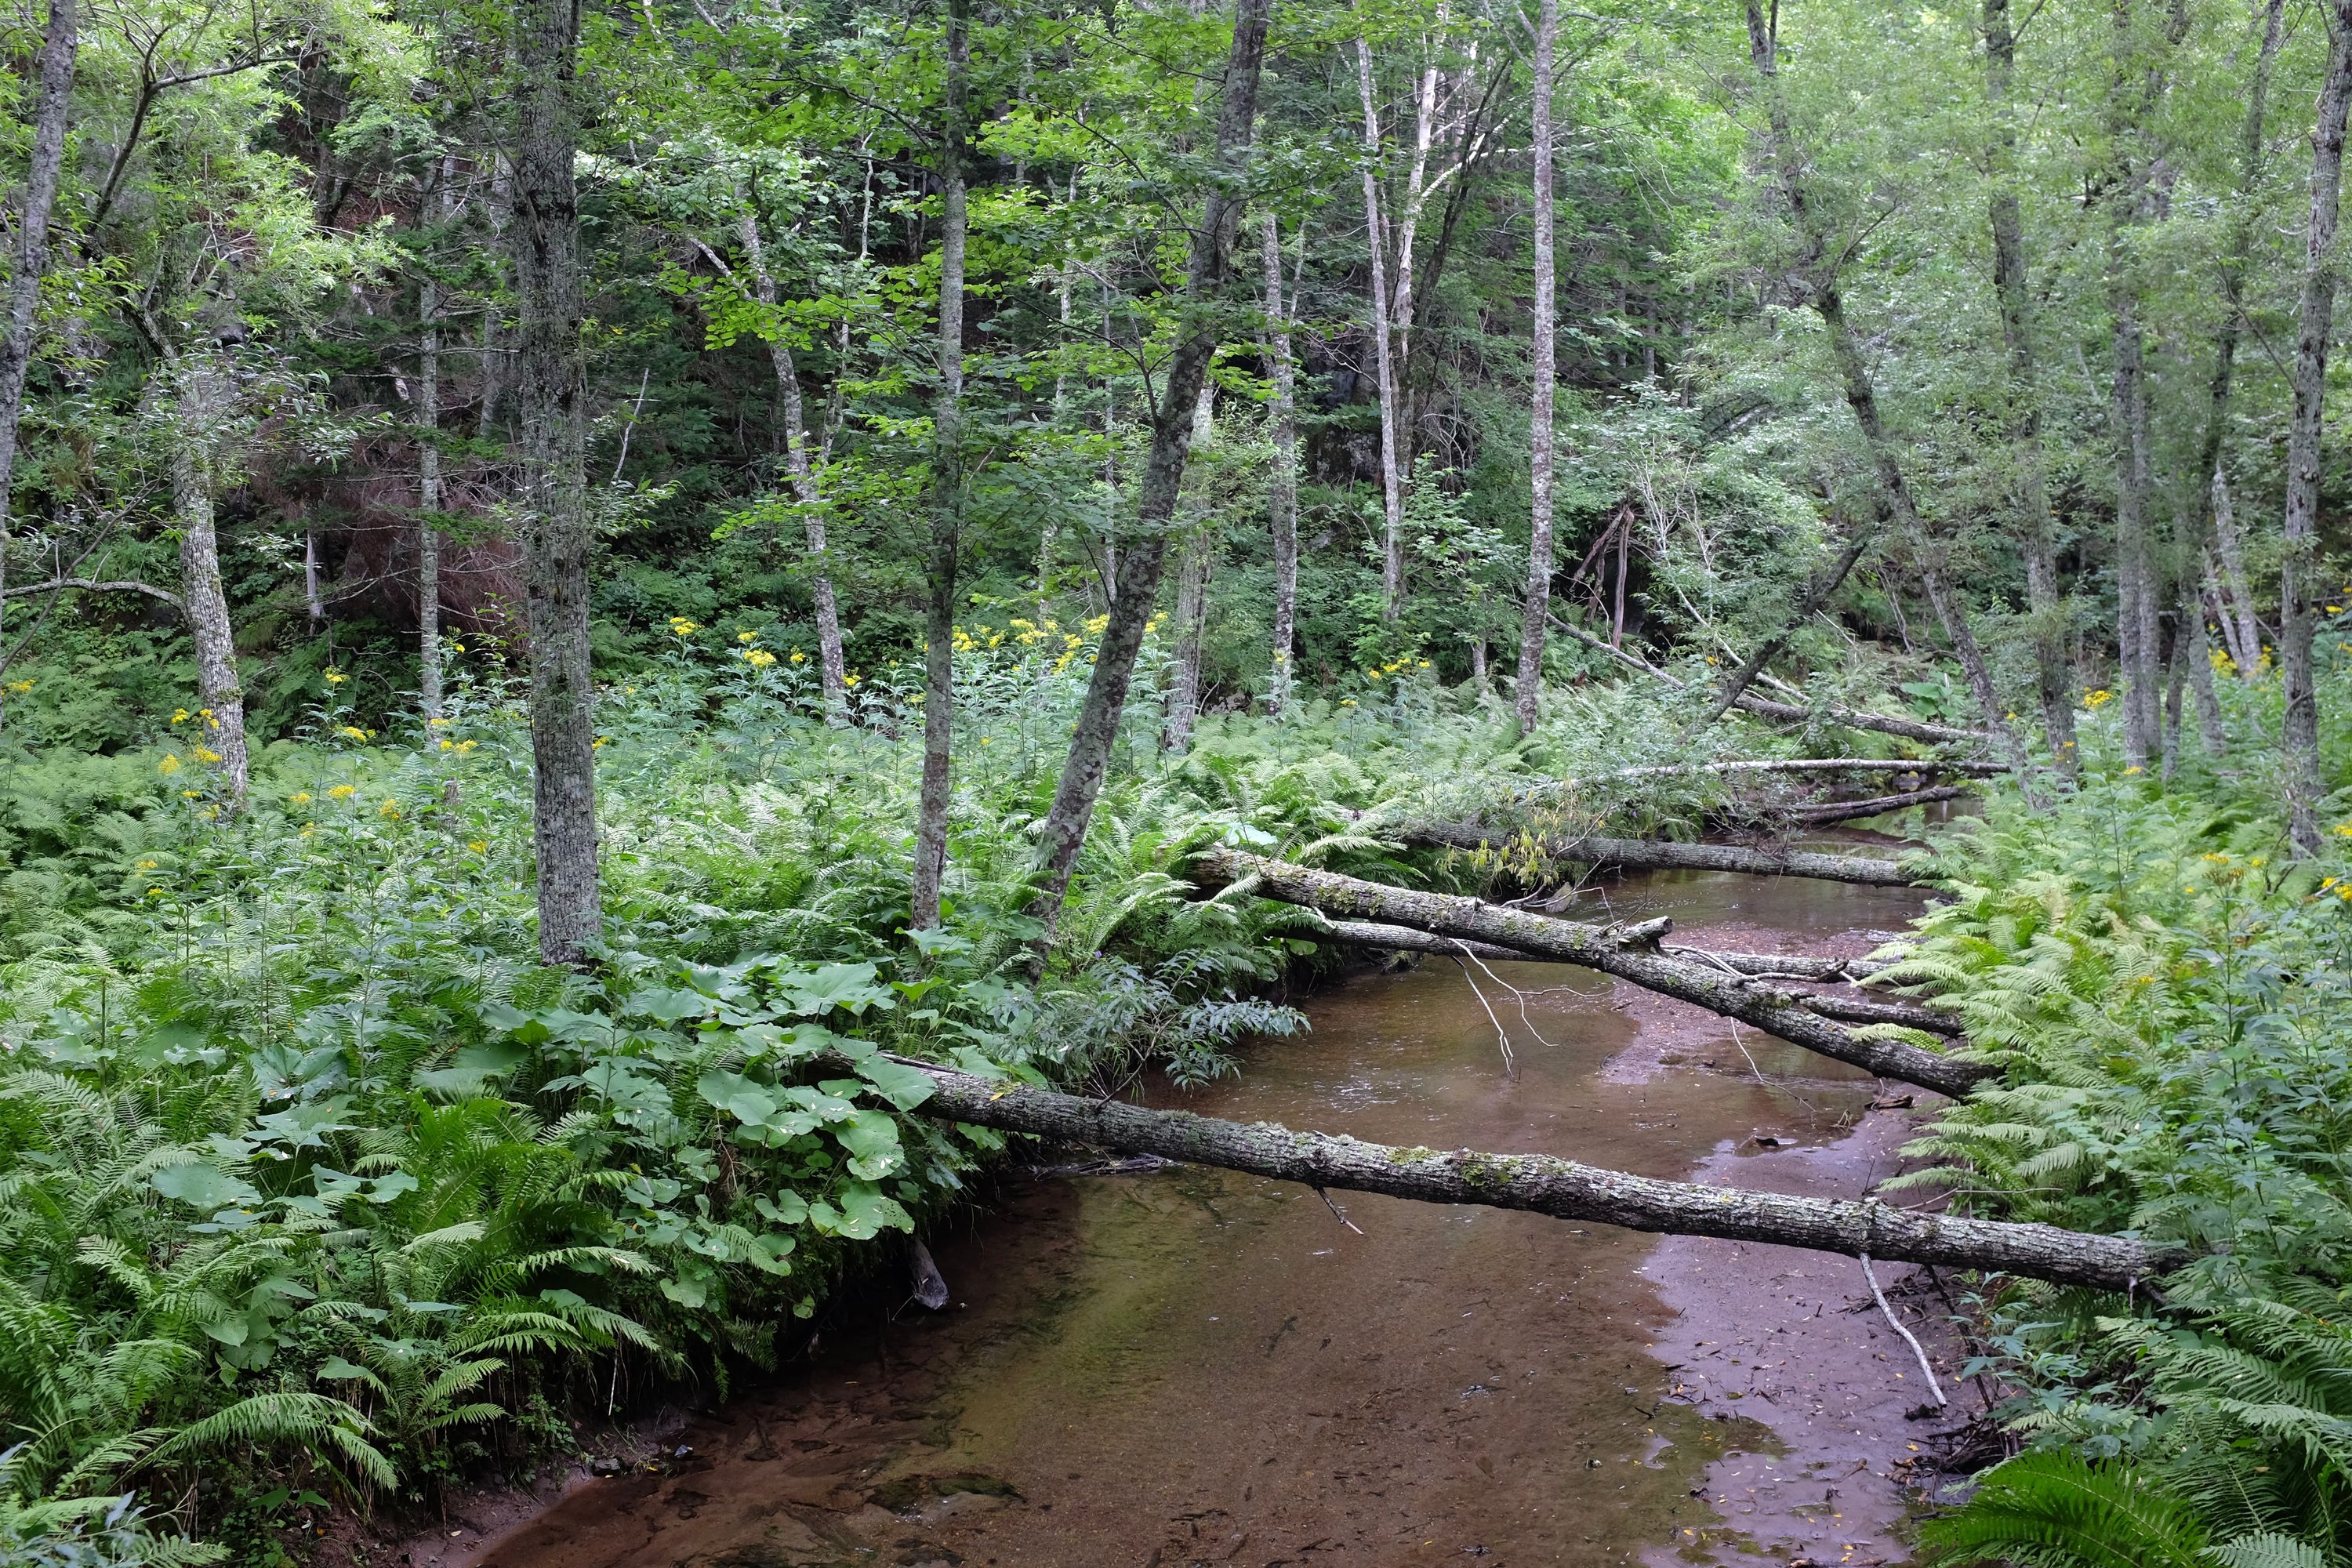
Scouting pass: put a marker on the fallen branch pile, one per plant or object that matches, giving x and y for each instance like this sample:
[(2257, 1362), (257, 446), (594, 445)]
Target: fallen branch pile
[(1850, 1009), (1628, 954)]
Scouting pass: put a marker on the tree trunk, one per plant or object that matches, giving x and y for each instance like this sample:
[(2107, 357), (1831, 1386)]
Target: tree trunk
[(1628, 955), (54, 71), (2136, 634), (1663, 855), (428, 475), (1820, 813), (947, 490), (1774, 965), (2045, 608), (1392, 476), (2210, 728), (500, 207), (1541, 1183), (2240, 627), (1139, 567), (204, 395), (832, 668), (1952, 611), (550, 390), (1545, 374), (1816, 594), (1890, 491), (2300, 735), (1844, 1008), (1199, 557), (1282, 498)]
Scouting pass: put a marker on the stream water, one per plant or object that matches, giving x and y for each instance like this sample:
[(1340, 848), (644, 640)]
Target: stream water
[(1189, 1365)]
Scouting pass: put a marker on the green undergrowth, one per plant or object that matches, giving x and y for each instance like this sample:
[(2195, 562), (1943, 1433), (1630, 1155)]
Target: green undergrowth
[(2170, 992), (317, 1191)]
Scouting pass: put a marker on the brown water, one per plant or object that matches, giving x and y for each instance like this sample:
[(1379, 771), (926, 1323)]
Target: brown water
[(1196, 1366)]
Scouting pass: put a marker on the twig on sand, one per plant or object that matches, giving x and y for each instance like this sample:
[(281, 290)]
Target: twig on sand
[(1908, 1337)]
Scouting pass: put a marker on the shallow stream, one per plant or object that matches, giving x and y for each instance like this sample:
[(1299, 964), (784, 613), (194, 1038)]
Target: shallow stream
[(1190, 1365)]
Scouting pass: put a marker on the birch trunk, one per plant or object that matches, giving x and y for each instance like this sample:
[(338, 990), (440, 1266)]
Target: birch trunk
[(1138, 578), (1543, 1183), (2045, 610), (2299, 739), (1282, 496), (550, 391), (832, 666), (1193, 596), (54, 72), (2240, 628), (203, 395), (2136, 639), (1383, 359), (947, 490), (1544, 372)]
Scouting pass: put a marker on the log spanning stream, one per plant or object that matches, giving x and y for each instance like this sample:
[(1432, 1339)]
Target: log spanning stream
[(1189, 1365)]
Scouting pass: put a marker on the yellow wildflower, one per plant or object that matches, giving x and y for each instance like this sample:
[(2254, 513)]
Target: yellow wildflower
[(599, 742), (454, 646), (849, 679), (353, 731), (437, 724), (179, 717), (798, 657), (207, 754), (747, 636), (300, 797), (390, 808), (343, 791), (190, 793), (149, 865), (336, 678), (2099, 699), (478, 845), (448, 745), (1098, 625), (680, 626), (170, 764), (21, 686), (757, 657), (466, 746)]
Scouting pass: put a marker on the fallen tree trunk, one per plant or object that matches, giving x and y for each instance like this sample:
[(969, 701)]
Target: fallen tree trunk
[(1849, 1009), (1809, 765), (1627, 954), (1885, 723), (1660, 855), (1831, 811), (1543, 1183)]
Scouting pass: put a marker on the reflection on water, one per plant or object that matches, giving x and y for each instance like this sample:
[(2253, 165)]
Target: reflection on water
[(1198, 1366)]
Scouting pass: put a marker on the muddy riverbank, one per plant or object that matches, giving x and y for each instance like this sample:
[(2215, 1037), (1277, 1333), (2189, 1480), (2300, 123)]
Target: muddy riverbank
[(1194, 1366)]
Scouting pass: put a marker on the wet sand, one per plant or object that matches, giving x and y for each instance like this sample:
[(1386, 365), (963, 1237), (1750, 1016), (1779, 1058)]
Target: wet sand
[(1195, 1366)]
